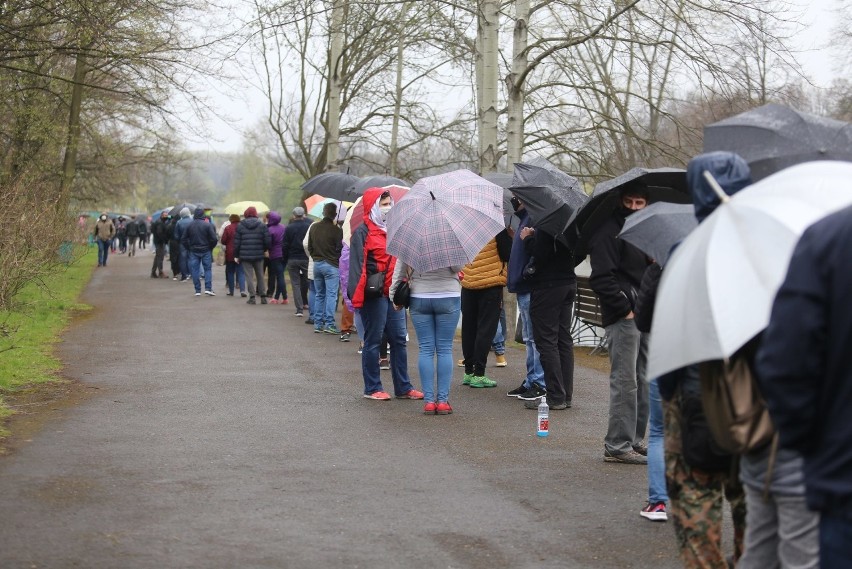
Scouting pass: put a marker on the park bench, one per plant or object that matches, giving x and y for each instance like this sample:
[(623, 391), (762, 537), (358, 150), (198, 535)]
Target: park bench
[(587, 328)]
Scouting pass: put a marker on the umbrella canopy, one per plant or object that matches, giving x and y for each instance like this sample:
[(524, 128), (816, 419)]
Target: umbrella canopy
[(550, 196), (357, 210), (657, 228), (240, 207), (773, 137), (364, 184), (317, 205), (336, 185), (174, 211), (347, 221), (717, 290), (662, 185), (505, 181), (445, 220)]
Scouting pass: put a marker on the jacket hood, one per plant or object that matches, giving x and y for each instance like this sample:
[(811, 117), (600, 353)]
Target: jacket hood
[(199, 213), (251, 211), (729, 169), (371, 196), (184, 212), (274, 218)]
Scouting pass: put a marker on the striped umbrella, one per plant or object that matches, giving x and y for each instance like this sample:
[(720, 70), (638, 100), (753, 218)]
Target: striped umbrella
[(445, 220)]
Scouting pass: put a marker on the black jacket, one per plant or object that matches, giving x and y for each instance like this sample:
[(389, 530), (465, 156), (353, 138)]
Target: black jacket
[(200, 236), (617, 270), (356, 258), (251, 240), (553, 260), (803, 362), (160, 232), (293, 237)]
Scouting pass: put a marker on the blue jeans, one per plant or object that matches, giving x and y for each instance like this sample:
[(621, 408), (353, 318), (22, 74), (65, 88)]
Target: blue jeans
[(197, 261), (276, 271), (184, 262), (435, 321), (535, 373), (498, 344), (656, 459), (327, 283), (379, 318), (234, 272), (835, 540), (103, 251)]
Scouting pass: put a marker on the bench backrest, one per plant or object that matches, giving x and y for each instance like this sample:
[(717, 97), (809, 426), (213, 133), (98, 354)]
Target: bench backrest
[(588, 306)]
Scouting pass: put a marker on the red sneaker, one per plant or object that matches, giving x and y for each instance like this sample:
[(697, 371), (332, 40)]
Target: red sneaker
[(429, 408), (284, 301), (413, 394), (443, 408), (378, 396)]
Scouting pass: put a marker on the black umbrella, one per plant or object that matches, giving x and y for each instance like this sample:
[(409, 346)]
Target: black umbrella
[(364, 184), (550, 196), (175, 211), (505, 181), (773, 137), (657, 228), (662, 185), (334, 185)]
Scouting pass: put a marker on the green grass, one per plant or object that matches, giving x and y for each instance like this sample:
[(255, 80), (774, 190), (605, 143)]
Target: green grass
[(28, 332)]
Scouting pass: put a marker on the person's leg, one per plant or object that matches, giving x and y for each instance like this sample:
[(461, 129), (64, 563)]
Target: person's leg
[(194, 268), (423, 320), (373, 314), (535, 373), (312, 300), (296, 282), (488, 315), (798, 532), (447, 312), (656, 459), (332, 284), (395, 330), (277, 267), (761, 538), (303, 279), (498, 344), (101, 244), (734, 493), (835, 541), (241, 278), (207, 264), (359, 324), (230, 276), (641, 391), (321, 288), (623, 348), (270, 277), (545, 326), (248, 271), (257, 267), (566, 341), (184, 262), (347, 319), (469, 311)]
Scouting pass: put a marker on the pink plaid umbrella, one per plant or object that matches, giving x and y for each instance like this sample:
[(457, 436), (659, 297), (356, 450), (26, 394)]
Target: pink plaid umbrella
[(445, 220)]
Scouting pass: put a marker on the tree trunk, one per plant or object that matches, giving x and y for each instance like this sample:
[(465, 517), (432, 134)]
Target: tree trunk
[(515, 85), (69, 163), (488, 32), (335, 82)]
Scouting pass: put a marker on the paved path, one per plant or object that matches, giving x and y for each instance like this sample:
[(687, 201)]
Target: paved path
[(226, 435)]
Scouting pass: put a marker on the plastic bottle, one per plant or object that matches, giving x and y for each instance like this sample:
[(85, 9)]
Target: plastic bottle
[(543, 418)]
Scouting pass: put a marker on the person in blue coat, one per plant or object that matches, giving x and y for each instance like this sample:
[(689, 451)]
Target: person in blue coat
[(806, 378)]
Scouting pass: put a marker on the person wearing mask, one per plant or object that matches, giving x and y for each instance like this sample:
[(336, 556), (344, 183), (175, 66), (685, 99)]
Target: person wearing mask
[(132, 234), (160, 231), (104, 233), (276, 287), (199, 240), (377, 313), (617, 271), (250, 244), (325, 241), (295, 258), (234, 275)]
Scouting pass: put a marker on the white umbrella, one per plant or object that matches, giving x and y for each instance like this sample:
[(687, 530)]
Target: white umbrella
[(718, 286)]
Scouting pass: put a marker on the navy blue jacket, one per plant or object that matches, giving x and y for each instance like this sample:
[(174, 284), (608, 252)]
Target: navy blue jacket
[(199, 236), (518, 259), (803, 363), (251, 240), (293, 237)]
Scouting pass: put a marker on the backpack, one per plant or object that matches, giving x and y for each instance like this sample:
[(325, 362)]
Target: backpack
[(735, 409)]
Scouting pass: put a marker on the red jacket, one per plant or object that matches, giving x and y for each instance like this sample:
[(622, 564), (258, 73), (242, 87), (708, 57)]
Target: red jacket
[(228, 241), (376, 257)]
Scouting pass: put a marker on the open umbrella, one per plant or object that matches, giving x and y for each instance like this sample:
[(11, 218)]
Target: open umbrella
[(657, 228), (505, 181), (335, 185), (550, 196), (445, 220), (380, 181), (316, 206), (357, 217), (773, 137), (174, 211), (717, 289), (662, 184), (239, 208)]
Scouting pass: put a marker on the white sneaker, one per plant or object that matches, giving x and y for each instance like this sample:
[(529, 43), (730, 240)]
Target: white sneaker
[(197, 294), (209, 293)]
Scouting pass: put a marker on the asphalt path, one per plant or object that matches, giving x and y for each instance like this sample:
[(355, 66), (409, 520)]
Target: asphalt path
[(227, 435)]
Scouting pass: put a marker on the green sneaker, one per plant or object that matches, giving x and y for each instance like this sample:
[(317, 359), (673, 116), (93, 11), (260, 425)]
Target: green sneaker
[(468, 377), (482, 381)]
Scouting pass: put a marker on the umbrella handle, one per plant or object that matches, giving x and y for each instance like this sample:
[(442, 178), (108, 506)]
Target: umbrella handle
[(716, 187)]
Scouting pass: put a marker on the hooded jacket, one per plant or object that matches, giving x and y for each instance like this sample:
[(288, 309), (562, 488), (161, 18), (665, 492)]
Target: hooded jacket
[(276, 236), (182, 224), (293, 237), (251, 240), (104, 230), (200, 236), (376, 257), (160, 231)]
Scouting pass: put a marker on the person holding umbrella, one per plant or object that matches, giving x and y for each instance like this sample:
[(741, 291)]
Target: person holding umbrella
[(376, 309)]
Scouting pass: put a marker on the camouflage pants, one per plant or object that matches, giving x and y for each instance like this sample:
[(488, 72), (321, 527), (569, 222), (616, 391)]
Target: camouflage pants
[(696, 503)]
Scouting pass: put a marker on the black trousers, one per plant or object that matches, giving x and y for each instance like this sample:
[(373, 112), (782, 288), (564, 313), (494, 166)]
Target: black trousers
[(160, 254), (480, 311), (174, 257), (551, 311)]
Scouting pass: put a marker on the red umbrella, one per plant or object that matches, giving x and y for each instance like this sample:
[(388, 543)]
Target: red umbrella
[(396, 192)]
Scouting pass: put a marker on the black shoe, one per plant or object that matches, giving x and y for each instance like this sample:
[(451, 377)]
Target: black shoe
[(242, 294), (309, 321), (251, 301), (229, 294), (533, 392), (153, 276), (642, 449), (517, 391), (345, 337), (534, 403), (263, 300)]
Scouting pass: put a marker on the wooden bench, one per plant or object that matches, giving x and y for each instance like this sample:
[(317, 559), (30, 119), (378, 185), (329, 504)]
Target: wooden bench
[(587, 328)]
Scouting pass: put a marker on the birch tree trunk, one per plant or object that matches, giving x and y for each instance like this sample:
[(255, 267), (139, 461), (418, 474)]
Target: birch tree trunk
[(489, 33), (515, 86), (335, 83)]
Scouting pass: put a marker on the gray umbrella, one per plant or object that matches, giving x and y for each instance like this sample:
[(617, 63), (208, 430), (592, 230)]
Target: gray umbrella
[(662, 185), (773, 137), (334, 185), (550, 196), (657, 228)]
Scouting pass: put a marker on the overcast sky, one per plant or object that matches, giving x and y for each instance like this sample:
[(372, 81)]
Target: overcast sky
[(248, 107)]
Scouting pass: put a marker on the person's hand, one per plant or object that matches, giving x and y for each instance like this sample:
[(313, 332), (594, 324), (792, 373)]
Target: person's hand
[(526, 232), (236, 260), (629, 316), (397, 307)]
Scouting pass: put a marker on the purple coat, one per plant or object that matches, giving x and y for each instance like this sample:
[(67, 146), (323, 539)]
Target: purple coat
[(343, 266), (276, 236)]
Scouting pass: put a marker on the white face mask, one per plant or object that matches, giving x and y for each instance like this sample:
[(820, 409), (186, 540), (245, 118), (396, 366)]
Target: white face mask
[(103, 218), (384, 211)]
